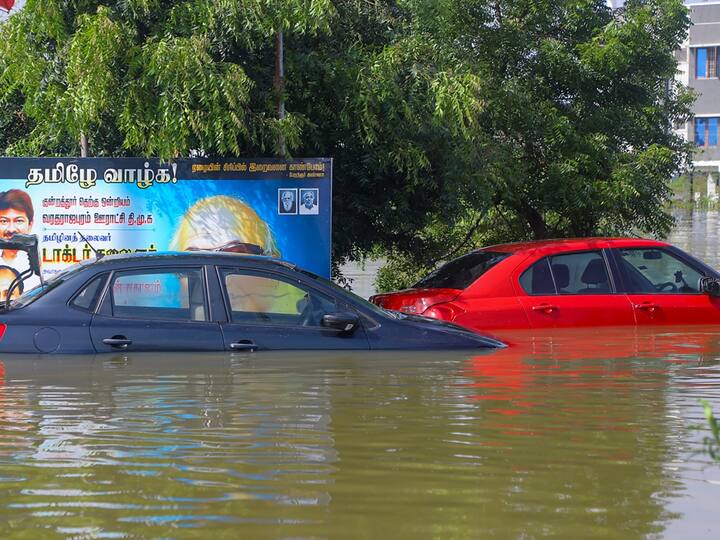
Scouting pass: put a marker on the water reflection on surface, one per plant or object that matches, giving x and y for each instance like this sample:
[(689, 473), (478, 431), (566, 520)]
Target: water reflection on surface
[(571, 434)]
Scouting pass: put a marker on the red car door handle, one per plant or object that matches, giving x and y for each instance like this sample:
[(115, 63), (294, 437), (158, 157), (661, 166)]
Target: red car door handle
[(648, 306), (547, 308)]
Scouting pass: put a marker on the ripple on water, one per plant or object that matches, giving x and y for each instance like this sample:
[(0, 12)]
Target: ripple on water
[(576, 435)]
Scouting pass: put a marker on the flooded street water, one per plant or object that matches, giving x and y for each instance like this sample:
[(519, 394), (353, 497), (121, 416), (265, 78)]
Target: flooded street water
[(698, 232), (572, 436), (579, 434)]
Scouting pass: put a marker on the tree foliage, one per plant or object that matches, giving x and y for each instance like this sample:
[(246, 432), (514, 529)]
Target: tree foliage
[(150, 77), (452, 122), (565, 127), (558, 114)]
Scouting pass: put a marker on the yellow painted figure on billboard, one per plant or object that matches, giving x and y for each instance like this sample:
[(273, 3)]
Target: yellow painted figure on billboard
[(224, 223), (227, 223)]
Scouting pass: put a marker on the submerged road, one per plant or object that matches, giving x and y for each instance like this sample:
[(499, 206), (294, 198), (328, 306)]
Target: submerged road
[(576, 435)]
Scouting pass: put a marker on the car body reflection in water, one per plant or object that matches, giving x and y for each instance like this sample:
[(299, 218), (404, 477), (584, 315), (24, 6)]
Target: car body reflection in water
[(566, 434), (562, 357), (603, 416)]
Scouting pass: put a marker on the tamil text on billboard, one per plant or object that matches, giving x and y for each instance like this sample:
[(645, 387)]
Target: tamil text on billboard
[(128, 205)]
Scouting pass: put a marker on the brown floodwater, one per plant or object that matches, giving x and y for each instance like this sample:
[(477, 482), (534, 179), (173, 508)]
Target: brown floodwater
[(574, 434), (578, 434)]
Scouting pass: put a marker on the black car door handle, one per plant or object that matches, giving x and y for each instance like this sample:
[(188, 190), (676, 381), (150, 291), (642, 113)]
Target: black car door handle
[(243, 345), (117, 342)]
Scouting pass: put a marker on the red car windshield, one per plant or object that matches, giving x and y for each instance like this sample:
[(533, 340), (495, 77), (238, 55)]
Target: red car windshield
[(461, 272)]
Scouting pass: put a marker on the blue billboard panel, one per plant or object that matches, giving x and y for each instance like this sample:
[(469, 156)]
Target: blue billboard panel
[(127, 205)]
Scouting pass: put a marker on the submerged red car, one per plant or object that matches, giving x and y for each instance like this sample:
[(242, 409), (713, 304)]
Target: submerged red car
[(566, 283)]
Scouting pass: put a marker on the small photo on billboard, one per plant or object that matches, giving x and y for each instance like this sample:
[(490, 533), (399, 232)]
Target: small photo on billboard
[(287, 201), (309, 198)]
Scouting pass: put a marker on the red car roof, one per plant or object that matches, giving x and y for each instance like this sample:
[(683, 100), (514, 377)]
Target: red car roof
[(571, 244)]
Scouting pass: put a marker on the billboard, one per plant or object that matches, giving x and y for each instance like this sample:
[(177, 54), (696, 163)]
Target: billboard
[(127, 205)]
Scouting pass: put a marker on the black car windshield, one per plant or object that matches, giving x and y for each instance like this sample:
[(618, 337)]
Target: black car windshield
[(461, 272)]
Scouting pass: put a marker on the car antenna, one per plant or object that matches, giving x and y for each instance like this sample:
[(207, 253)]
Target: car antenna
[(98, 256)]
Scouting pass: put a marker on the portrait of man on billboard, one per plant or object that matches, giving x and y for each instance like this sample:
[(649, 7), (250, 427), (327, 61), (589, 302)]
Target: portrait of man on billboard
[(16, 216), (287, 201), (309, 201)]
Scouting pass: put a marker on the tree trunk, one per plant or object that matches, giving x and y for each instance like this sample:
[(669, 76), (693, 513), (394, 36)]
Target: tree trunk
[(280, 88), (536, 222), (83, 145)]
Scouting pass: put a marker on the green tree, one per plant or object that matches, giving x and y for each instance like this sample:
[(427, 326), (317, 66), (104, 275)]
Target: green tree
[(150, 77), (554, 118), (453, 123)]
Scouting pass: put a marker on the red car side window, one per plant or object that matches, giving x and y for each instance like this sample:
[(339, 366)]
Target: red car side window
[(537, 279), (653, 270), (583, 272)]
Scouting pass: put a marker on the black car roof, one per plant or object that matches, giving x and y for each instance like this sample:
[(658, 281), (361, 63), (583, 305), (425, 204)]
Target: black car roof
[(201, 257)]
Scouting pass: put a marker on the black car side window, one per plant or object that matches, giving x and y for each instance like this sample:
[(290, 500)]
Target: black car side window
[(583, 272), (653, 270), (175, 294), (257, 299), (88, 295)]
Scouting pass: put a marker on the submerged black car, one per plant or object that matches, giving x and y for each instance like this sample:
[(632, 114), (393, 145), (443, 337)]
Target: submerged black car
[(193, 301)]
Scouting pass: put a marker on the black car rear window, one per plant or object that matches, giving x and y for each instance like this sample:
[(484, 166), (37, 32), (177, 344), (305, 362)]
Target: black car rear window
[(41, 290), (461, 272)]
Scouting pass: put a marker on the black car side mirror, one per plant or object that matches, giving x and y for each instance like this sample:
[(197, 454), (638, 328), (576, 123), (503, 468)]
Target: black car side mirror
[(709, 285), (344, 322)]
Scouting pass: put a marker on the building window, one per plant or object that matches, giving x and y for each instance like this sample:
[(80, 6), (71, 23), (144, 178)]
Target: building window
[(706, 132), (712, 131), (706, 62)]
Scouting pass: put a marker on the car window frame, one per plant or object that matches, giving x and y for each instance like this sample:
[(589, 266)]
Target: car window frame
[(292, 279), (609, 269), (105, 303), (99, 295), (701, 268)]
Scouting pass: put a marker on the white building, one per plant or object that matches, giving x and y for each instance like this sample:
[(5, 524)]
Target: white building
[(699, 69)]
